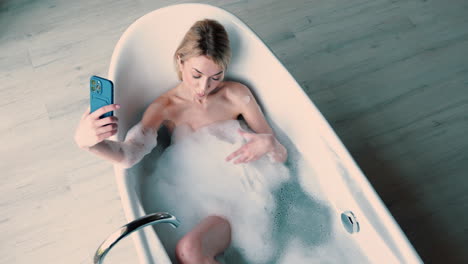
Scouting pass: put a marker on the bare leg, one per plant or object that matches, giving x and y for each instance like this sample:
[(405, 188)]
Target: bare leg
[(206, 240)]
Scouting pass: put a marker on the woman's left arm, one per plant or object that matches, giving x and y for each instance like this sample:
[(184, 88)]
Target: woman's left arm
[(263, 141)]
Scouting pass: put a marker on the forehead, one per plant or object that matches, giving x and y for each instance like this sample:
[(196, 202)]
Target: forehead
[(204, 64)]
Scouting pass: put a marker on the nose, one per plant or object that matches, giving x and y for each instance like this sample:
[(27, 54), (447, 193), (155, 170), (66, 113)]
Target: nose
[(204, 86), (207, 84)]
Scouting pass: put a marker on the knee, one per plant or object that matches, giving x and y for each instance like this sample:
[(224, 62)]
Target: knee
[(188, 251), (210, 237), (221, 229), (218, 219)]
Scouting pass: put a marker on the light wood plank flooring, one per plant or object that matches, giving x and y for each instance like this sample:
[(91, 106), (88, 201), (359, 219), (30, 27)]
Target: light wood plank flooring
[(390, 76)]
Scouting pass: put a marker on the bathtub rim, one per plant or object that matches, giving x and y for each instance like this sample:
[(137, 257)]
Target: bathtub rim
[(146, 238)]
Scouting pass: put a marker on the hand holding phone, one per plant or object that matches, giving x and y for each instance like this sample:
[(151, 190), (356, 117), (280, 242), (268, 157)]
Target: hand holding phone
[(91, 130), (97, 122)]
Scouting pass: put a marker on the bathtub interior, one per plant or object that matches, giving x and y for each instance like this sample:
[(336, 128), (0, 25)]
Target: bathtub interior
[(142, 69), (305, 213)]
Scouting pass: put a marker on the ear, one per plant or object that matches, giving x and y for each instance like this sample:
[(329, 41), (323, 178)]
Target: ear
[(179, 60)]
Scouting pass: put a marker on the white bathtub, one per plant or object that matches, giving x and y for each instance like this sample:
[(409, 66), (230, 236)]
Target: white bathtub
[(142, 69)]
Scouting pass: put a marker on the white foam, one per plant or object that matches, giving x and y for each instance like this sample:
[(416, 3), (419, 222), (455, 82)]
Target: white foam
[(194, 180), (246, 99), (138, 142)]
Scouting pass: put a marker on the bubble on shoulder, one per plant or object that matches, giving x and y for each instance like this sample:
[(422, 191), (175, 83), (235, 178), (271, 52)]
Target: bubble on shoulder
[(240, 91), (246, 99)]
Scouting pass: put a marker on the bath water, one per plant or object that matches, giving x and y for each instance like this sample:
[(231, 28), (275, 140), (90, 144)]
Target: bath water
[(277, 212)]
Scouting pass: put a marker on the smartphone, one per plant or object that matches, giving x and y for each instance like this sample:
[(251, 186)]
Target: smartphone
[(102, 93)]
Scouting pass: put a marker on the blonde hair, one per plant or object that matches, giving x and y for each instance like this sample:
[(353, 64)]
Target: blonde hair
[(206, 37)]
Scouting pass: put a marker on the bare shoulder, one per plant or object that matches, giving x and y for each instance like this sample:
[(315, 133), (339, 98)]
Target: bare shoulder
[(246, 105), (159, 103), (155, 113), (237, 91)]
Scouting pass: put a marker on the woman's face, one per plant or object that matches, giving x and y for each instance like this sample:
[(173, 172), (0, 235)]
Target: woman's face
[(201, 75)]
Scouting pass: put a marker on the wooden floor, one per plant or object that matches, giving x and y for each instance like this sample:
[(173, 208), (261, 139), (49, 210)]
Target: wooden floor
[(390, 76)]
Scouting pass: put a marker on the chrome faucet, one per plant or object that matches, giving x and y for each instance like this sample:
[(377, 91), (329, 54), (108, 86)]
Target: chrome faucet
[(127, 229)]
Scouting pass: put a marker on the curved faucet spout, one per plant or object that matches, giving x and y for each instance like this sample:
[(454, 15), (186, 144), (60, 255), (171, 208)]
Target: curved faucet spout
[(127, 229)]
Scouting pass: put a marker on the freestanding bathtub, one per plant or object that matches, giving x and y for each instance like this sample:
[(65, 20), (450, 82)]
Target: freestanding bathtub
[(142, 69)]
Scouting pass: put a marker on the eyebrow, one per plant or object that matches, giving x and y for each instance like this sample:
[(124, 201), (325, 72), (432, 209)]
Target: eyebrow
[(204, 74)]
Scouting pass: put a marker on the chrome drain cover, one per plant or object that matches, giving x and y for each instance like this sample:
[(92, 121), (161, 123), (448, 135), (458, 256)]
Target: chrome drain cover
[(350, 222)]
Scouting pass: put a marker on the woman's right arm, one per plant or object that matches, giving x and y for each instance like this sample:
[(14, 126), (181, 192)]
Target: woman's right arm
[(92, 132)]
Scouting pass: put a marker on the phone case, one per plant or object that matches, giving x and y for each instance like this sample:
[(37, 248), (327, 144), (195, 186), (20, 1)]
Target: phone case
[(102, 93)]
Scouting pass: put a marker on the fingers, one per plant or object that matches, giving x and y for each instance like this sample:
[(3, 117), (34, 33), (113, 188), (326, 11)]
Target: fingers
[(247, 159), (251, 159), (235, 153), (105, 109), (106, 121), (105, 129), (106, 135), (242, 156), (242, 159)]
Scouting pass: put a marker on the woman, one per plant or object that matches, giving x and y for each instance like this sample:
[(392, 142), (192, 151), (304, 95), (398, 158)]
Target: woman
[(200, 99)]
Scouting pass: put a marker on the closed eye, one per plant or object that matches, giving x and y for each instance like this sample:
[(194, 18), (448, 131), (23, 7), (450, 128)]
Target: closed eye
[(198, 77)]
